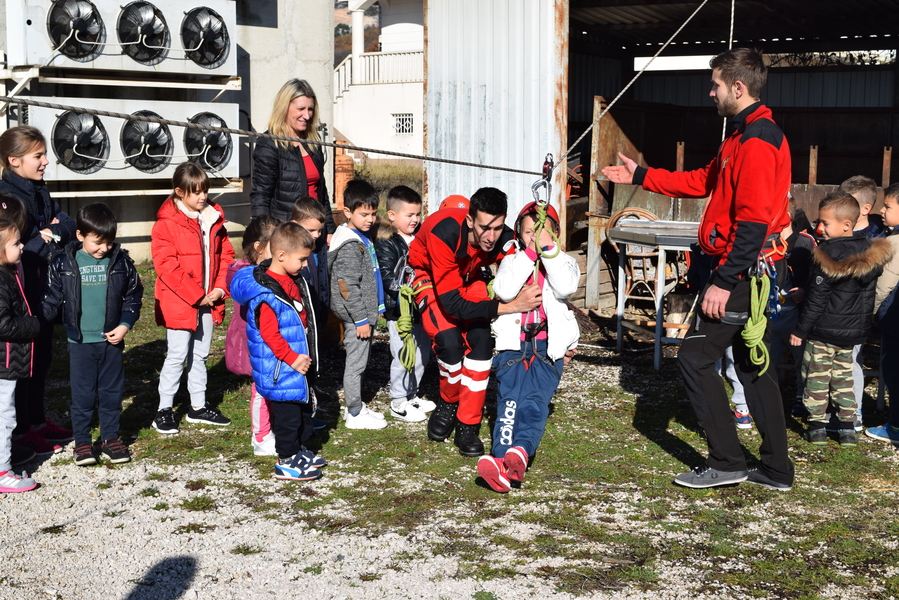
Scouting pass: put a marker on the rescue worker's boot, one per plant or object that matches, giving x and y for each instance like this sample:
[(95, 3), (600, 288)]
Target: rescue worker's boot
[(442, 420), (467, 439)]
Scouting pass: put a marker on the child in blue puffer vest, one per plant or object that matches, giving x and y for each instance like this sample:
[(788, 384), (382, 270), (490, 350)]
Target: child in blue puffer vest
[(282, 341)]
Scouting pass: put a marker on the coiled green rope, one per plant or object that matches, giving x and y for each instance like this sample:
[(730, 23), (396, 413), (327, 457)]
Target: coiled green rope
[(404, 326), (754, 331), (539, 226)]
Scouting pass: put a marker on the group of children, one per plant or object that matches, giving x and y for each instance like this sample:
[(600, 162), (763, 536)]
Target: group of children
[(831, 294)]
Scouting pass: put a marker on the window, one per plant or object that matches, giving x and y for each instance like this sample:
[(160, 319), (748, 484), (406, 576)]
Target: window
[(402, 124)]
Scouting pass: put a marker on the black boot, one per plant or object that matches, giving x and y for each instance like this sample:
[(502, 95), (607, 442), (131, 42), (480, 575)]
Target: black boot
[(467, 439), (442, 420)]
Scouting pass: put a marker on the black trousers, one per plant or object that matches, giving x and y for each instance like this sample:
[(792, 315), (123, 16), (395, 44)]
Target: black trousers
[(706, 343), (291, 424), (97, 378)]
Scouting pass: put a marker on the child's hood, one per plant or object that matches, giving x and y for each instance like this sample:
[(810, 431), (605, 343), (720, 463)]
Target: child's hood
[(211, 213), (342, 236), (853, 257), (385, 229), (244, 286)]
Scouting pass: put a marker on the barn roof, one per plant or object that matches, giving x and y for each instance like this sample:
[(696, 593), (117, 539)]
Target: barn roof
[(634, 27)]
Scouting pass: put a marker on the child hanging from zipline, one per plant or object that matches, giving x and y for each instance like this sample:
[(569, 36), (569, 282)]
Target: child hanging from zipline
[(531, 346)]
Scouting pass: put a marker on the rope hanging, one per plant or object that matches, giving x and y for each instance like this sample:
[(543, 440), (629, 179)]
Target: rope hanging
[(404, 326), (754, 331), (541, 216)]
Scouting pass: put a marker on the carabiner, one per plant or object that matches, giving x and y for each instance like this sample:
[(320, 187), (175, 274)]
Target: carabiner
[(544, 181)]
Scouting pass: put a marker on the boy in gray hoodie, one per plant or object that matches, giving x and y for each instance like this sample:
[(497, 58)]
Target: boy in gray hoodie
[(357, 296)]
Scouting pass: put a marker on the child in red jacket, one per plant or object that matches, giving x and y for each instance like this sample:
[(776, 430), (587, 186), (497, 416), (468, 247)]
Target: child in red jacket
[(191, 254)]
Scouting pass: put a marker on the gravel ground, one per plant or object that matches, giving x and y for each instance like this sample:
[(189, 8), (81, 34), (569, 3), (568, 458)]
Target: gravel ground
[(91, 533), (123, 532)]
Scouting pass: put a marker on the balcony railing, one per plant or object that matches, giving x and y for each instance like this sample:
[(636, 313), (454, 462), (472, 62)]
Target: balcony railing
[(379, 67)]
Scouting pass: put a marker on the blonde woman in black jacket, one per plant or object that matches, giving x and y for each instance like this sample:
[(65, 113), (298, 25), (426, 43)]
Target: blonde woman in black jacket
[(284, 172)]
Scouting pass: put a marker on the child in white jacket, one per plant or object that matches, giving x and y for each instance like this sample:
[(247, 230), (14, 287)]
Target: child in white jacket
[(531, 348)]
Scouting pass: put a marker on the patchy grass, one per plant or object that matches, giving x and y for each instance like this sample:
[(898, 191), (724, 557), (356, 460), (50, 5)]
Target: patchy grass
[(199, 503), (245, 549), (597, 513)]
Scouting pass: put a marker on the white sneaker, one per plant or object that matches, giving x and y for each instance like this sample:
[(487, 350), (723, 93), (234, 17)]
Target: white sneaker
[(406, 411), (365, 420), (423, 405), (373, 413), (10, 482), (266, 447)]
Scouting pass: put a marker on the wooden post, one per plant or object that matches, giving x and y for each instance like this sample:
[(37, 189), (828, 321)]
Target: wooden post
[(887, 159), (680, 156), (812, 165)]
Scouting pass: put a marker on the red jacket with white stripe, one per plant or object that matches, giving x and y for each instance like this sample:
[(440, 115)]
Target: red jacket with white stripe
[(747, 185), (441, 250)]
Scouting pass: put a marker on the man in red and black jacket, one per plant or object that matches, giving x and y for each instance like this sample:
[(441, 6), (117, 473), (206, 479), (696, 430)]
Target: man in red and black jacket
[(747, 185), (448, 253)]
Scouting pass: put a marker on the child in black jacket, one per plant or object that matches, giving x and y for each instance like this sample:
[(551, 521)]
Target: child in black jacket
[(95, 282), (836, 314), (392, 248), (18, 327)]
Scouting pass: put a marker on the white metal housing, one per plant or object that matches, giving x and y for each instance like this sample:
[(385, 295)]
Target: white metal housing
[(29, 40), (496, 94), (115, 166)]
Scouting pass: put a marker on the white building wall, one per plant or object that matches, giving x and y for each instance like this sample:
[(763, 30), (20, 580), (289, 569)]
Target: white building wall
[(496, 94), (365, 116), (402, 25)]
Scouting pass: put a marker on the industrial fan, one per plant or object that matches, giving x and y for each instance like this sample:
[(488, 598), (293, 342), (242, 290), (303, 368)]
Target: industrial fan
[(205, 37), (210, 149), (147, 146), (76, 29), (143, 32), (80, 142)]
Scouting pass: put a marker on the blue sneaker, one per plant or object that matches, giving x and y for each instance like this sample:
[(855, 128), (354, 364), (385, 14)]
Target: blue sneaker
[(884, 433), (316, 461), (744, 421), (296, 468), (799, 409)]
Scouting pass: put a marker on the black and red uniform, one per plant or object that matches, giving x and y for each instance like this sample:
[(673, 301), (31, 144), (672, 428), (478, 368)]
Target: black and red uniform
[(747, 185), (457, 310)]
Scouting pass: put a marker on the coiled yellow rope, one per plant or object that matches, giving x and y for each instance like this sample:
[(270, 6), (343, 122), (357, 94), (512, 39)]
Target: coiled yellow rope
[(754, 331)]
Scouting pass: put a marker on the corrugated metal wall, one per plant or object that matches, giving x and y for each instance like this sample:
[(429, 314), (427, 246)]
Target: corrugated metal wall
[(590, 76), (837, 89), (496, 93)]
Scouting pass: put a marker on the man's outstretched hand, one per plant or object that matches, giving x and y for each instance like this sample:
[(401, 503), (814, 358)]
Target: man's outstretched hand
[(621, 173)]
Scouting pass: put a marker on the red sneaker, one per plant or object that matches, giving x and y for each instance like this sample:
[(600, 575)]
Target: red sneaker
[(37, 443), (492, 471), (53, 433), (516, 463)]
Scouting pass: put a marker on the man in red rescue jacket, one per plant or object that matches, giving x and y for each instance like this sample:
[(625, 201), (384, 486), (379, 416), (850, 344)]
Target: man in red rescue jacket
[(747, 185), (448, 253)]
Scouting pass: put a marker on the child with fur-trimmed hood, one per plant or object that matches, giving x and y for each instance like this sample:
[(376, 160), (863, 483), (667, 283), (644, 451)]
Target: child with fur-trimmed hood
[(836, 314)]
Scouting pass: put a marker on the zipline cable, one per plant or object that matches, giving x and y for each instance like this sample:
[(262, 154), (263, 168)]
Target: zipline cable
[(730, 46), (160, 121), (562, 159)]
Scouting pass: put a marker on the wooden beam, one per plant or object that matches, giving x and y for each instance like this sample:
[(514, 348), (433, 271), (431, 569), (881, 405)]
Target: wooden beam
[(887, 159), (812, 165)]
